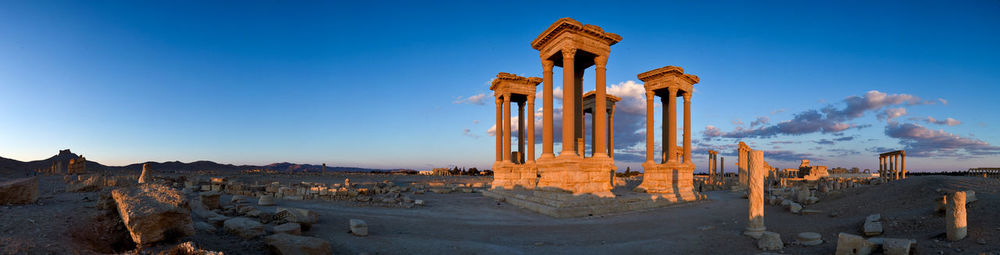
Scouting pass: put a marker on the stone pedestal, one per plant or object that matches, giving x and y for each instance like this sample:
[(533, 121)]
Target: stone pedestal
[(508, 175), (669, 178), (576, 175)]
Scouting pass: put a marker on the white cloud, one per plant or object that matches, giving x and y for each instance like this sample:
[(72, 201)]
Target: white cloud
[(474, 99)]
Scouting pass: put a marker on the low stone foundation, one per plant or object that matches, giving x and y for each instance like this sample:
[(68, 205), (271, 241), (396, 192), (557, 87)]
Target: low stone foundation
[(567, 205)]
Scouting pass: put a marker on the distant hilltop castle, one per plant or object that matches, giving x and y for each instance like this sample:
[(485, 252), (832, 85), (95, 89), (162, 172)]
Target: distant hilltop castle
[(66, 163)]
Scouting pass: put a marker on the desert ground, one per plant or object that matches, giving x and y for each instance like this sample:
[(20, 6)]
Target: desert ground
[(63, 222)]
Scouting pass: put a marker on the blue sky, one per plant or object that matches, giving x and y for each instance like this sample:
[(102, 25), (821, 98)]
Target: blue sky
[(387, 84)]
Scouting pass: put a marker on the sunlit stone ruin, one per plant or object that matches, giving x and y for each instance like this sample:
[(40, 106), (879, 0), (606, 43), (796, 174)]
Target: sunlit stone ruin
[(577, 182)]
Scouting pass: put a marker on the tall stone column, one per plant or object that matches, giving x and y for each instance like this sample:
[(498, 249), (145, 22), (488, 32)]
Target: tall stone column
[(672, 125), (531, 129), (649, 128), (687, 127), (881, 166), (899, 167), (902, 164), (611, 132), (520, 131), (578, 102), (722, 170), (601, 111), (499, 130), (755, 221), (957, 227), (506, 128), (593, 134), (569, 107), (547, 109), (664, 139)]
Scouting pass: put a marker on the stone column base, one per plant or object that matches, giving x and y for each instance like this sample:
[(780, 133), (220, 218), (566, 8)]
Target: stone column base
[(576, 175), (507, 175), (669, 178)]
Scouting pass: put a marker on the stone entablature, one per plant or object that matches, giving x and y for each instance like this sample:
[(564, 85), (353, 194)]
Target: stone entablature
[(668, 77), (567, 31)]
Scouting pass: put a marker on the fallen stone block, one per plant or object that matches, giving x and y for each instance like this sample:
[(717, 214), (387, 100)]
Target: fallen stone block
[(810, 211), (210, 199), (266, 200), (418, 202), (204, 227), (872, 228), (19, 191), (302, 216), (795, 208), (873, 217), (244, 227), (809, 238), (153, 212), (189, 248), (293, 244), (770, 241), (290, 228), (848, 244), (895, 246), (359, 227)]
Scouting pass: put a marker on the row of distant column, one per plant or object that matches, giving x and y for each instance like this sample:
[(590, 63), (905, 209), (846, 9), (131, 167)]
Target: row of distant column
[(892, 165), (716, 176)]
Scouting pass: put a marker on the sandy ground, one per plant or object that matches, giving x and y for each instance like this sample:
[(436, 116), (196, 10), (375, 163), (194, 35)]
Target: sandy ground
[(468, 223)]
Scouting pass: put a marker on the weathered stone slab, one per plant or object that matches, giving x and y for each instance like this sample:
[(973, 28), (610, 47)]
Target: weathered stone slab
[(848, 244), (873, 228), (894, 246), (290, 228), (19, 191), (293, 244), (153, 212), (210, 199), (809, 238), (302, 216), (770, 241), (244, 227), (359, 227)]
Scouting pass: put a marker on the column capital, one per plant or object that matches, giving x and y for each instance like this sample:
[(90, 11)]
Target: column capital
[(600, 61), (506, 97), (687, 98), (650, 95), (531, 98), (568, 52), (547, 64), (673, 91), (498, 100)]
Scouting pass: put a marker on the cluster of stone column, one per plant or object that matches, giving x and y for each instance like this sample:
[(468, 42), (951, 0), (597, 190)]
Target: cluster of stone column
[(524, 132), (589, 106), (669, 127), (985, 172), (743, 152), (892, 165)]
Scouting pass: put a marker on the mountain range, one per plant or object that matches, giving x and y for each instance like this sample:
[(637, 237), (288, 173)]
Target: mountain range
[(14, 167)]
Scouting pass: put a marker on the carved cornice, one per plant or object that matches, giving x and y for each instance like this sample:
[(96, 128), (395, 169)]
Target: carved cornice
[(568, 25), (513, 78), (667, 70), (609, 97)]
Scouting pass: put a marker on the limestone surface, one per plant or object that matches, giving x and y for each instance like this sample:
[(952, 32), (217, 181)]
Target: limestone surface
[(770, 241), (19, 191), (153, 212), (292, 244), (809, 238), (290, 228), (957, 227), (848, 244), (244, 227), (359, 227)]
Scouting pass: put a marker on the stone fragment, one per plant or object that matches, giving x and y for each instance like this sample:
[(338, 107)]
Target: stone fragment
[(204, 227), (770, 241), (217, 220), (302, 216), (810, 211), (244, 227), (210, 199), (237, 199), (795, 208), (188, 248), (290, 228), (19, 191), (894, 246), (872, 228), (153, 212), (873, 217), (359, 227), (266, 200), (292, 244), (147, 174), (848, 244), (811, 200), (970, 196), (809, 238), (418, 202)]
